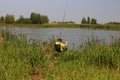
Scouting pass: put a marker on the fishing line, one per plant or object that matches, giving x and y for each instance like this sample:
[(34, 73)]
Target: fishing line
[(66, 5), (64, 15)]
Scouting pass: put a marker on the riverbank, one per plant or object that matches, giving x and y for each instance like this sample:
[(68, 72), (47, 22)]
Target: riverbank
[(23, 60), (101, 26), (67, 25), (50, 25)]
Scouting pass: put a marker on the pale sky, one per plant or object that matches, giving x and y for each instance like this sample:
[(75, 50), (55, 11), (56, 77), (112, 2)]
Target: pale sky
[(103, 10)]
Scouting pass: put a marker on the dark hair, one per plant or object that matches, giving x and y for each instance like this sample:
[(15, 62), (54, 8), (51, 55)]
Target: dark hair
[(59, 39)]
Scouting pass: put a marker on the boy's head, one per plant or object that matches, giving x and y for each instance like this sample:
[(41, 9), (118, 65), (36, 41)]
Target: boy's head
[(59, 39)]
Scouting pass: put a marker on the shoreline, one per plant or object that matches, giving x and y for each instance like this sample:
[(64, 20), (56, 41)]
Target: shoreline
[(114, 27)]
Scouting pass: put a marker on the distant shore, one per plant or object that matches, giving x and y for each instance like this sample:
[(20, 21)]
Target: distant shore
[(65, 25)]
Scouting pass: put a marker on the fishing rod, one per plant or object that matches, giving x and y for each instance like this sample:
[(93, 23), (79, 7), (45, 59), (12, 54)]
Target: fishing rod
[(66, 5), (64, 15)]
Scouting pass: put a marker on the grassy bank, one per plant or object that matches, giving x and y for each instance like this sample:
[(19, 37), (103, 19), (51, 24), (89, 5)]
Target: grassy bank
[(22, 59), (101, 26), (66, 25), (51, 25)]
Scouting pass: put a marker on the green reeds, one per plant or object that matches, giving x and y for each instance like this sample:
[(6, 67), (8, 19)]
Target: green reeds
[(20, 58), (96, 61)]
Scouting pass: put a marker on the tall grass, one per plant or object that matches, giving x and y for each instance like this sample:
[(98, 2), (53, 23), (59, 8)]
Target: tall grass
[(96, 61), (20, 58), (81, 67)]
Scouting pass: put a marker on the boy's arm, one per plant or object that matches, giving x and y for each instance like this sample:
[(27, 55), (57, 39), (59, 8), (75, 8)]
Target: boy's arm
[(66, 43)]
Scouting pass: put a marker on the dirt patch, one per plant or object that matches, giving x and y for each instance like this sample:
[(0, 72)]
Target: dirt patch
[(37, 72)]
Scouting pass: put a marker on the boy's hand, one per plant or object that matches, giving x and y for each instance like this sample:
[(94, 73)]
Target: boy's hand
[(66, 43)]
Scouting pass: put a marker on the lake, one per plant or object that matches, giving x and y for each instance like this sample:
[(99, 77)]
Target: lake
[(74, 36)]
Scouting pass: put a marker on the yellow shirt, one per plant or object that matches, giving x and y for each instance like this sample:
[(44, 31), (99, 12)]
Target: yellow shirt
[(61, 44)]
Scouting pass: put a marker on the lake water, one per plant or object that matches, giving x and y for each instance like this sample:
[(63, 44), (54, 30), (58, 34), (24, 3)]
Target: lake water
[(74, 36)]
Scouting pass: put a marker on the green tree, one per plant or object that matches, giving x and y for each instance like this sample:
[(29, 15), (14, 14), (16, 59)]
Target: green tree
[(35, 18), (9, 19), (23, 20), (26, 21), (1, 19), (44, 19), (88, 20), (20, 20), (83, 20), (93, 21)]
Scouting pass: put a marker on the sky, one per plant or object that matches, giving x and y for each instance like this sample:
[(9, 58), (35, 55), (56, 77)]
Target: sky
[(102, 10)]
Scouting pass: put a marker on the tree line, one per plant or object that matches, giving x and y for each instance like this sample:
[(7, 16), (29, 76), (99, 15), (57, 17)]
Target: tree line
[(88, 20), (35, 18)]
